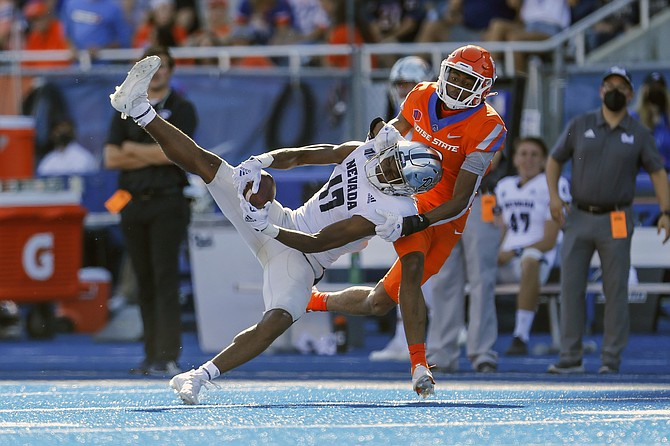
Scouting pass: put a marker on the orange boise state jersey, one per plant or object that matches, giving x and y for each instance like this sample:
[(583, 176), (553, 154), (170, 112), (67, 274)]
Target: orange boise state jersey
[(473, 129)]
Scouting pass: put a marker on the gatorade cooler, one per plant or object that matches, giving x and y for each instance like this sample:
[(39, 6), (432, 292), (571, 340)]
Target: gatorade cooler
[(17, 147), (89, 312), (41, 238)]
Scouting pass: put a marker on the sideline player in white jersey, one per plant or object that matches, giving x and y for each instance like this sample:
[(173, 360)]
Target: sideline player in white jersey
[(338, 219), (530, 236)]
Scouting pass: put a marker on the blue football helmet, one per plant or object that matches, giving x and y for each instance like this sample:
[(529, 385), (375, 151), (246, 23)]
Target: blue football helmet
[(405, 168)]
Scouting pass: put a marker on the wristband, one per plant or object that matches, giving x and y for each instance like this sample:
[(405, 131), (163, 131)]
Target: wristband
[(533, 253), (271, 231), (265, 159), (665, 213), (414, 223)]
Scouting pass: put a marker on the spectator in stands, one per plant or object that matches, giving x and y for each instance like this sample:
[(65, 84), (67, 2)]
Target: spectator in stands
[(392, 21), (45, 32), (135, 12), (529, 243), (160, 27), (311, 20), (245, 36), (537, 20), (652, 108), (461, 20), (339, 32), (215, 31), (7, 14), (607, 147), (95, 25), (217, 25), (271, 21), (187, 16), (67, 157), (155, 219), (611, 26)]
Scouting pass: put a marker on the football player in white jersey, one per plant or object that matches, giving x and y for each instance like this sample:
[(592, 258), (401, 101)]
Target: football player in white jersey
[(338, 219), (530, 236)]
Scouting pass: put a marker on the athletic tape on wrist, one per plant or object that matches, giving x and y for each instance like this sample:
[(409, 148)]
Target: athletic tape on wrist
[(271, 231), (145, 118), (265, 159)]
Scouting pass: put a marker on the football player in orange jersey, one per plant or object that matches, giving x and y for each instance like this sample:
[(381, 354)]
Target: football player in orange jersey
[(452, 116)]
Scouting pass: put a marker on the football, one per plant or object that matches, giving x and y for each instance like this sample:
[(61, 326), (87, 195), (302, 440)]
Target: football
[(266, 191)]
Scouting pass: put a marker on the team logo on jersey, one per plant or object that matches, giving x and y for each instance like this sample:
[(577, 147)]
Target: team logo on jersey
[(416, 114), (369, 152), (433, 141), (371, 199)]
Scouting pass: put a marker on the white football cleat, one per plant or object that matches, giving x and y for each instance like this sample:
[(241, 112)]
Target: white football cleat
[(133, 91), (187, 385), (422, 381)]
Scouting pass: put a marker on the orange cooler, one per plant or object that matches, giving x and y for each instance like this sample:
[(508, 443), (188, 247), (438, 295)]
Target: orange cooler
[(40, 246), (17, 147)]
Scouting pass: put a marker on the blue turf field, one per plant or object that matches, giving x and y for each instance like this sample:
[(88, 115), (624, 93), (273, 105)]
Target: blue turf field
[(333, 413), (72, 390)]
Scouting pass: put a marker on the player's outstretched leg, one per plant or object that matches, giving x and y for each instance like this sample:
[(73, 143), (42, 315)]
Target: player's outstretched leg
[(130, 98), (422, 381)]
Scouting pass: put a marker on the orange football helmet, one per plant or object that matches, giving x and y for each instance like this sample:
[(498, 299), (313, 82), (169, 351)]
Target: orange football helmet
[(469, 73)]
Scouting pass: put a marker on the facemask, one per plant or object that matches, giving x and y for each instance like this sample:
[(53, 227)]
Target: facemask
[(657, 97), (615, 100), (62, 138)]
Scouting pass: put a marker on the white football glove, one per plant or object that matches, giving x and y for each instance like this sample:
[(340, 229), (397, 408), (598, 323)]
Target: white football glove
[(258, 218), (245, 172), (391, 229), (387, 137)]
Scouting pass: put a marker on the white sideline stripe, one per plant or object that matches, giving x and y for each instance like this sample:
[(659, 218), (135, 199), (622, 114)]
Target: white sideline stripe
[(275, 426), (419, 402), (662, 412)]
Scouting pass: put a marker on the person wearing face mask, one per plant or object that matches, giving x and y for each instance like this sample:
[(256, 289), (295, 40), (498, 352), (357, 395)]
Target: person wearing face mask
[(652, 109), (67, 157), (607, 147)]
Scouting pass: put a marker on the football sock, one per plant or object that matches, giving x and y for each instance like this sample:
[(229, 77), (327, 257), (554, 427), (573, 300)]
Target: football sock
[(523, 323), (211, 370), (143, 114), (417, 355), (318, 301)]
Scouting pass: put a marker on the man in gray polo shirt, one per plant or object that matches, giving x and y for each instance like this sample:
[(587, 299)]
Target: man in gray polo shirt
[(607, 148)]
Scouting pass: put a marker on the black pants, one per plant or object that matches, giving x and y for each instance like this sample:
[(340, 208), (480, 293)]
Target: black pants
[(154, 230)]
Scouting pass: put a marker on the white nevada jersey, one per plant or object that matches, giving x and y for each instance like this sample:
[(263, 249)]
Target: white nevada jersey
[(526, 208), (347, 193)]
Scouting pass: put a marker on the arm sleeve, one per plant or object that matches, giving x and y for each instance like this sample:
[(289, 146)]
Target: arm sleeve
[(477, 162)]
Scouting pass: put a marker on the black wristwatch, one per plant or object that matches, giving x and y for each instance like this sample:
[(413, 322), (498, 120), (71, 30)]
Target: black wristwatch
[(665, 213)]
